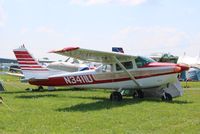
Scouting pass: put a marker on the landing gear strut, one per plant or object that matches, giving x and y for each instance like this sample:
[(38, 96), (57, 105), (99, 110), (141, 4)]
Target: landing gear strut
[(1, 100), (115, 96), (138, 94), (166, 97)]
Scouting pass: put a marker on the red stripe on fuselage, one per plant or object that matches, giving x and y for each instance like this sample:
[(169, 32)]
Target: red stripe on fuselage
[(61, 81)]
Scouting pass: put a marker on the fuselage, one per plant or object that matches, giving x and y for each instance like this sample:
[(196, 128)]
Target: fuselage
[(149, 75)]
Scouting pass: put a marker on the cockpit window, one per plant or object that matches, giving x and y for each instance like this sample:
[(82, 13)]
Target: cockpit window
[(142, 61), (127, 65)]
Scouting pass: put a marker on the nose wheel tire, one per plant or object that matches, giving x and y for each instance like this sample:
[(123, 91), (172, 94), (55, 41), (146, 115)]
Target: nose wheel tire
[(166, 97), (138, 94), (115, 96)]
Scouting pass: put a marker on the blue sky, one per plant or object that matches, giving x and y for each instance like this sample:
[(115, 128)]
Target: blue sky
[(142, 27)]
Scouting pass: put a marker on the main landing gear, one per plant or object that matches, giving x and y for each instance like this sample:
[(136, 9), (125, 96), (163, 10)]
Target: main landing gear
[(118, 95), (40, 88), (138, 94), (115, 96)]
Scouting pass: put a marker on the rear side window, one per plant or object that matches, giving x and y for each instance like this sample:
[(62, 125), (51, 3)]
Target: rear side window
[(127, 65)]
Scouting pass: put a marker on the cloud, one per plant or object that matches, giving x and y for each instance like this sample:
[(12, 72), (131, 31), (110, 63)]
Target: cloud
[(103, 2), (151, 39), (24, 30), (132, 2), (90, 2), (2, 15), (44, 29), (49, 31), (193, 47), (153, 36)]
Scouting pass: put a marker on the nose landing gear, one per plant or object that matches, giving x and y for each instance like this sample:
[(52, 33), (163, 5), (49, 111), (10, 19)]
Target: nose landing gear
[(166, 97)]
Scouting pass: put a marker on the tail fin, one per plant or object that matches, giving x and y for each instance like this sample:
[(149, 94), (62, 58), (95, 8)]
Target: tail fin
[(27, 61), (30, 67)]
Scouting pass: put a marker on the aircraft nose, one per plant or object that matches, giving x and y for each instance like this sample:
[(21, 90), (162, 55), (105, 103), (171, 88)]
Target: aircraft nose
[(183, 67)]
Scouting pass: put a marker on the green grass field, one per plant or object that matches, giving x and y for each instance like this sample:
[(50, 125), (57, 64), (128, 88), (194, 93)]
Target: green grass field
[(90, 112)]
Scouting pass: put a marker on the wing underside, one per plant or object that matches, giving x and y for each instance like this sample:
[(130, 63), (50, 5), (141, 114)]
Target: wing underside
[(93, 55)]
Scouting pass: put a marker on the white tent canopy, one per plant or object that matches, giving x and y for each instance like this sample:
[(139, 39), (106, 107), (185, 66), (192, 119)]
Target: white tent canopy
[(191, 61)]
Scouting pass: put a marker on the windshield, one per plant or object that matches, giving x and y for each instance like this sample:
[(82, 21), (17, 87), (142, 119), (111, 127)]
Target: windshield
[(142, 61)]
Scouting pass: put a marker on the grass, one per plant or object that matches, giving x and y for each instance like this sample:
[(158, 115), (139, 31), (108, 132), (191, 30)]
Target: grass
[(90, 111)]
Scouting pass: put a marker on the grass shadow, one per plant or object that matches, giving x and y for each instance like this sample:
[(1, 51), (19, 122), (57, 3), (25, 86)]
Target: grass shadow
[(14, 92), (36, 96), (104, 103), (59, 89), (46, 90)]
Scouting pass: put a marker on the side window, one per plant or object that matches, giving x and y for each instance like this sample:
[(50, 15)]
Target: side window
[(107, 68), (127, 65)]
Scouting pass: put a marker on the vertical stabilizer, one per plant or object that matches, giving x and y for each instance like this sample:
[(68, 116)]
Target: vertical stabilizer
[(27, 61), (30, 67)]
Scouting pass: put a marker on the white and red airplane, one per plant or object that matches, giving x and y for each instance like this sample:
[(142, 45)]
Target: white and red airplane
[(119, 71)]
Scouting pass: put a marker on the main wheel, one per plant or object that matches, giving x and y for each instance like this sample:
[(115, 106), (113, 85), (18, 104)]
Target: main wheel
[(115, 96), (40, 88), (138, 94), (166, 97)]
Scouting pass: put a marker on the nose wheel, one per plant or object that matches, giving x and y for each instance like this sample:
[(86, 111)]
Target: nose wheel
[(166, 97), (115, 96)]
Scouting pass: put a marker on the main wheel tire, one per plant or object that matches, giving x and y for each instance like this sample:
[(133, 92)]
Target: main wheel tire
[(115, 96), (162, 98), (40, 88), (168, 97), (138, 94)]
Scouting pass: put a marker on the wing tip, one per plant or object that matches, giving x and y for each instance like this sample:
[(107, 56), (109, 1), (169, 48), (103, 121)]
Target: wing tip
[(66, 49)]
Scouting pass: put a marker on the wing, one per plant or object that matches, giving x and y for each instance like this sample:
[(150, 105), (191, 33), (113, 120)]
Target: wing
[(93, 55)]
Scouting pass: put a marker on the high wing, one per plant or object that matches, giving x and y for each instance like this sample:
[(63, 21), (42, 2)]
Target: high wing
[(93, 55)]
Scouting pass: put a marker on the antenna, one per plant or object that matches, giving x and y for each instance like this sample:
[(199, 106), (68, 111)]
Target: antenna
[(22, 46)]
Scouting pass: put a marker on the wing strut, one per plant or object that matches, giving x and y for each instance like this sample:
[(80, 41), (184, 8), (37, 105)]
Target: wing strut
[(129, 74)]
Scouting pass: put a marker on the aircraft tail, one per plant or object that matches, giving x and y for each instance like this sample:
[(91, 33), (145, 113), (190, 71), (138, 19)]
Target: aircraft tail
[(30, 67)]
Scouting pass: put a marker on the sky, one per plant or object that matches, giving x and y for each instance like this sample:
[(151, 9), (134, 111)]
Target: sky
[(141, 27)]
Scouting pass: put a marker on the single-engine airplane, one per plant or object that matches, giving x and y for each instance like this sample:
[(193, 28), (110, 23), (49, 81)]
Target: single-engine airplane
[(119, 71)]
